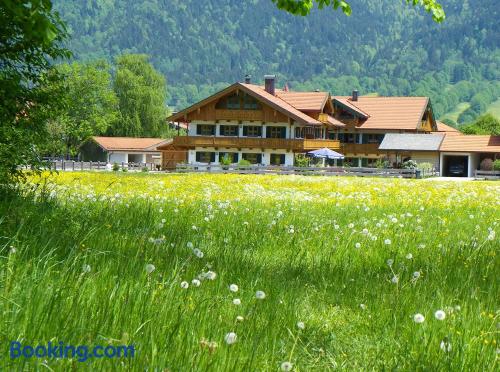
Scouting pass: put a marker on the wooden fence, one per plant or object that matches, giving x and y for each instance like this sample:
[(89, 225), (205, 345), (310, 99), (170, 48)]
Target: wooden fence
[(69, 165), (318, 171), (488, 175)]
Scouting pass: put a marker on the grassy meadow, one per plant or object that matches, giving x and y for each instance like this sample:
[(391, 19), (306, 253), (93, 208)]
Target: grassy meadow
[(353, 273)]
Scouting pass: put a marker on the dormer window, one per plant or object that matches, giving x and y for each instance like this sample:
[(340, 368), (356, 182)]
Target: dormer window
[(238, 102), (250, 103), (233, 102)]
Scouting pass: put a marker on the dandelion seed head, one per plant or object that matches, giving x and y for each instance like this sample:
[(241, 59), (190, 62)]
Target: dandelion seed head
[(301, 325), (185, 285), (237, 301), (195, 283), (286, 366), (445, 346), (233, 288), (260, 295), (230, 338), (150, 268), (86, 268), (418, 318), (440, 315)]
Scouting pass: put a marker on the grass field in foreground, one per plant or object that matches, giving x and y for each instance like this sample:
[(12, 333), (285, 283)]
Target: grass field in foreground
[(346, 266)]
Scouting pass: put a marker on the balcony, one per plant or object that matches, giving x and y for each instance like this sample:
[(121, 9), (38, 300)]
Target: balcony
[(255, 142), (359, 149), (237, 115)]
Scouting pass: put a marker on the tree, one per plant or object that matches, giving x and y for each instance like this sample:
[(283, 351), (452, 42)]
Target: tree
[(485, 124), (304, 7), (30, 39), (141, 92), (91, 105)]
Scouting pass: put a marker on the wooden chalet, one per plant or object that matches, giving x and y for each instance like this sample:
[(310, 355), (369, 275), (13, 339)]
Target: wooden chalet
[(270, 126)]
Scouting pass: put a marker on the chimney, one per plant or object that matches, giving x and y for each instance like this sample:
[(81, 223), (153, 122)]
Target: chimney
[(354, 95), (247, 79), (269, 82)]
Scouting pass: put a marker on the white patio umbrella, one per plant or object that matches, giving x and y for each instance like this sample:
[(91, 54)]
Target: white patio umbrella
[(325, 153)]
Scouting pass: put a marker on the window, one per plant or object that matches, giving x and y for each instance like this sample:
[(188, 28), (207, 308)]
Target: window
[(351, 162), (229, 130), (205, 156), (253, 158), (369, 162), (233, 156), (277, 159), (252, 131), (276, 132), (373, 138), (233, 102), (250, 103), (347, 137), (205, 130)]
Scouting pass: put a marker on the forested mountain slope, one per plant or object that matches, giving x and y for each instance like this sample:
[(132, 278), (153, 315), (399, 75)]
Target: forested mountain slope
[(384, 47)]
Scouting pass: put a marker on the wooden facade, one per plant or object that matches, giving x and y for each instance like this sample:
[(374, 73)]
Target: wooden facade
[(312, 116), (299, 145)]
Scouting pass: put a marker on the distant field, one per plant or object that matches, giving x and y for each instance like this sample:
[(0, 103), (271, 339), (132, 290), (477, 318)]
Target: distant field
[(455, 113), (494, 108), (356, 274)]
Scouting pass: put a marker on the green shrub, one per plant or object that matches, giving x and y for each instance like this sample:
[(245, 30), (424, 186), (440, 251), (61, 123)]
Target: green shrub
[(145, 169), (426, 166), (301, 160), (486, 164), (124, 169), (496, 165), (409, 164), (244, 162), (382, 163), (116, 167), (226, 160)]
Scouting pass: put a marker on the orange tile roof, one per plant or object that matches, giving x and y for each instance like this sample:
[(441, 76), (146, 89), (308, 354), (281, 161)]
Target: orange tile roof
[(128, 143), (304, 101), (279, 103), (388, 112), (471, 143), (335, 122), (442, 127), (259, 92)]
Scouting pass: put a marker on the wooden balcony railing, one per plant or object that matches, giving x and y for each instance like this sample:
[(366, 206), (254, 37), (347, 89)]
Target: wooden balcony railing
[(257, 142), (239, 114), (359, 149)]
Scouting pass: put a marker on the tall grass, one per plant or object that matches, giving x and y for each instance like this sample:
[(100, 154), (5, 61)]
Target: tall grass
[(318, 247)]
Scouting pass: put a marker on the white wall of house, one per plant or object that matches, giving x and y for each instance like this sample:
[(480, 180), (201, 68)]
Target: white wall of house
[(290, 129), (266, 154), (426, 157), (117, 157)]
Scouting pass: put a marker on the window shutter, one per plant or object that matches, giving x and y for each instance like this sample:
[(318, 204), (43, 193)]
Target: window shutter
[(283, 132), (245, 131), (198, 155), (212, 157), (259, 158), (282, 159), (198, 131), (235, 157)]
